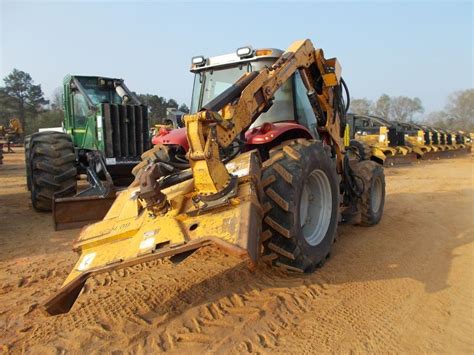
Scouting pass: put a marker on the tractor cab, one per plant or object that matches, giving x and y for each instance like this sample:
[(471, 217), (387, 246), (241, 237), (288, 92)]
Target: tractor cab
[(213, 75), (374, 130), (290, 116), (460, 139), (413, 133), (450, 138), (432, 136), (442, 137)]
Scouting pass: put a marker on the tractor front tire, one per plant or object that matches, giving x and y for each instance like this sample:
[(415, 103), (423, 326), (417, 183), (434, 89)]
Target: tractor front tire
[(363, 150), (372, 201), (300, 202), (52, 168)]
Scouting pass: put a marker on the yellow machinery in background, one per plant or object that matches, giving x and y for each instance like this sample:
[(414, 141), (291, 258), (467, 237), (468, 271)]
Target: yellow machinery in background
[(448, 144), (13, 132), (385, 140), (10, 135), (430, 143), (415, 139)]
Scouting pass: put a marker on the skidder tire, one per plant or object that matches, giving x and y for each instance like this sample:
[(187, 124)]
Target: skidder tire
[(372, 201), (300, 205), (52, 162)]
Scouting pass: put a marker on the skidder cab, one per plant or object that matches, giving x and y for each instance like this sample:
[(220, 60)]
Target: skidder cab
[(103, 135)]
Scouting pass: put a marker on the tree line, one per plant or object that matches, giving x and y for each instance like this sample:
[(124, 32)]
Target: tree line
[(458, 113), (21, 98)]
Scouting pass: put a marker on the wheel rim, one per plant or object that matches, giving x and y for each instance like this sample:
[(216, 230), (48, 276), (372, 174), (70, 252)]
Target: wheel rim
[(315, 207), (376, 195)]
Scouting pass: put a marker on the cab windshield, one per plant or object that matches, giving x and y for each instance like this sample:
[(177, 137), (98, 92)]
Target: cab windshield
[(98, 94), (210, 83)]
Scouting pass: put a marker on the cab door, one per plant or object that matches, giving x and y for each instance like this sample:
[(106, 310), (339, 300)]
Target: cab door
[(80, 109)]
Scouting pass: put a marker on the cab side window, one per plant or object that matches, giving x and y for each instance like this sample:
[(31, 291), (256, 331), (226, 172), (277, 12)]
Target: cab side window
[(304, 110), (80, 110)]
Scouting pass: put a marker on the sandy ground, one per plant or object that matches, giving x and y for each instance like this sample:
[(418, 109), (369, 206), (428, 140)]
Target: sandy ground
[(405, 285)]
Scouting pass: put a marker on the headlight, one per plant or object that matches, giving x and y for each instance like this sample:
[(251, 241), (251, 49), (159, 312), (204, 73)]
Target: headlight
[(199, 60), (244, 51), (382, 138), (419, 139)]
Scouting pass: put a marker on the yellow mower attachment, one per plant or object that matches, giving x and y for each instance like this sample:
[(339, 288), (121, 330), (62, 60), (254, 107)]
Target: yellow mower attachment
[(131, 234)]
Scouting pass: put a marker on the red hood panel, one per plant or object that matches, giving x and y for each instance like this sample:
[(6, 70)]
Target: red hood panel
[(259, 135), (173, 137)]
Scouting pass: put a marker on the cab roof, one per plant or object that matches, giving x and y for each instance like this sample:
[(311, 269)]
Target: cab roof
[(231, 59)]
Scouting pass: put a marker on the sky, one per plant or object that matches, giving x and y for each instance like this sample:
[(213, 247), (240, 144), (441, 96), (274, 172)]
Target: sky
[(416, 49)]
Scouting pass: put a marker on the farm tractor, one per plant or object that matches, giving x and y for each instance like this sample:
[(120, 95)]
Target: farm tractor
[(104, 133), (262, 169)]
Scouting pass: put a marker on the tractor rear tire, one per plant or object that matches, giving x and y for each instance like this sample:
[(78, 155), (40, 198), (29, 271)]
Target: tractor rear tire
[(372, 201), (300, 202), (361, 149), (52, 164)]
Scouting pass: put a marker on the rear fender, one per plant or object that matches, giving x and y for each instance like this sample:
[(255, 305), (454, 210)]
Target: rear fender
[(274, 133), (172, 137), (268, 133)]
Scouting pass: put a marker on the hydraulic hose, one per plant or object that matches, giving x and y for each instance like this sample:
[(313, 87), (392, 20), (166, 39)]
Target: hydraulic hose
[(350, 180), (182, 165), (348, 96)]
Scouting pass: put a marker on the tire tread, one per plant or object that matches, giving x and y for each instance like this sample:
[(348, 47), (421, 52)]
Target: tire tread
[(51, 168)]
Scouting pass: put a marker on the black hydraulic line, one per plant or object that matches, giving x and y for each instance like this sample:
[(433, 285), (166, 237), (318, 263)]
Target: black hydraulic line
[(186, 175), (230, 94), (350, 180), (176, 178), (181, 165), (348, 96)]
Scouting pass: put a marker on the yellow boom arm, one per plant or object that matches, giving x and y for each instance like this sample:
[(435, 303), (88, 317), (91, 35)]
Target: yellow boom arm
[(223, 119)]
